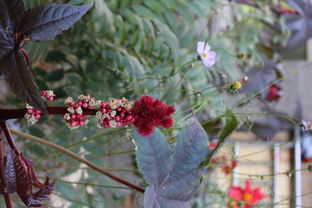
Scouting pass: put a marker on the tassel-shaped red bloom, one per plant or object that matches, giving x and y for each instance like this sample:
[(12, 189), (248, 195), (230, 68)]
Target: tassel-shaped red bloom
[(149, 113)]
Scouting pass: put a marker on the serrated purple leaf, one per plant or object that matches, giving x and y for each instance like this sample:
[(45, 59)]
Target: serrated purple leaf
[(153, 200), (191, 150), (43, 23), (170, 203), (183, 189), (150, 197), (10, 175), (180, 180), (34, 199), (20, 79), (153, 157)]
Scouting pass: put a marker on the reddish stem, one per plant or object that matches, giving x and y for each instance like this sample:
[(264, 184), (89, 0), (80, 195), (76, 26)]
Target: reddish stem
[(6, 114), (9, 137), (8, 201), (7, 198)]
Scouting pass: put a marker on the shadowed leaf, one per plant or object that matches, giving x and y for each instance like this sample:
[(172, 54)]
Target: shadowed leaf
[(20, 79), (153, 157), (10, 175), (15, 9), (182, 178), (191, 150), (6, 44), (43, 23)]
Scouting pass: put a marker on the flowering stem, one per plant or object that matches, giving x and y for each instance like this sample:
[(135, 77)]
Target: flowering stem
[(6, 114), (77, 157)]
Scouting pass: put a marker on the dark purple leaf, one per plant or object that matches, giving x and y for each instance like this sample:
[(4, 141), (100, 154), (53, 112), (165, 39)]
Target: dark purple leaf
[(34, 199), (153, 157), (5, 20), (6, 44), (174, 185), (15, 9), (45, 22), (10, 175), (20, 79)]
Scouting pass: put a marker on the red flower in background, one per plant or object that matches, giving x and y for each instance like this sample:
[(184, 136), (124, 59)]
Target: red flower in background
[(274, 93), (226, 165), (248, 195), (149, 113)]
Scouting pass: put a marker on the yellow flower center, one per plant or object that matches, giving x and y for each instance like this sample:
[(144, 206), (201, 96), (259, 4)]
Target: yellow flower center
[(205, 55), (237, 85), (247, 197)]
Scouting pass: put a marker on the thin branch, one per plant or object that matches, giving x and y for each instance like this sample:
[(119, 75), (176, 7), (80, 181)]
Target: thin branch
[(7, 197), (9, 137), (6, 114), (77, 157)]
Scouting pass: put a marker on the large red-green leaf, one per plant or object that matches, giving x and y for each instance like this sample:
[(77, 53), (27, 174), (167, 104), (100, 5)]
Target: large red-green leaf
[(20, 79), (43, 23)]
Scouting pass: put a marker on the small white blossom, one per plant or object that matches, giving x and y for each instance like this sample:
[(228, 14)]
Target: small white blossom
[(67, 116), (113, 113), (113, 123), (69, 100), (71, 110), (79, 110)]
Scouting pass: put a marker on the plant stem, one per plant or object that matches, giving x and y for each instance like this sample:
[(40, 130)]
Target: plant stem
[(7, 198), (8, 201), (6, 114), (9, 137), (77, 157)]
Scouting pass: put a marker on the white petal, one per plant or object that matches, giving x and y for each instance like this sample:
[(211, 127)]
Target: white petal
[(200, 47), (207, 48), (209, 62)]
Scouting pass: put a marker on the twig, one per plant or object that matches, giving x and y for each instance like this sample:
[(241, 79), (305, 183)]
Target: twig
[(6, 114), (77, 157)]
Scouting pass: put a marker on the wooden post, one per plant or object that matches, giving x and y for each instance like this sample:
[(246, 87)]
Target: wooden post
[(309, 50), (129, 201)]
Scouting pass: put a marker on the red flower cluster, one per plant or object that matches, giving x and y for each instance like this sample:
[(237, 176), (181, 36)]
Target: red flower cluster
[(144, 114), (225, 164), (75, 118), (33, 115), (245, 198), (274, 93), (115, 113), (149, 113)]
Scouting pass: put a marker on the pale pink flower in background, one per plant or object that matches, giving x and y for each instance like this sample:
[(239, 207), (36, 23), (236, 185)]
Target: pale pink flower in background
[(208, 57)]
